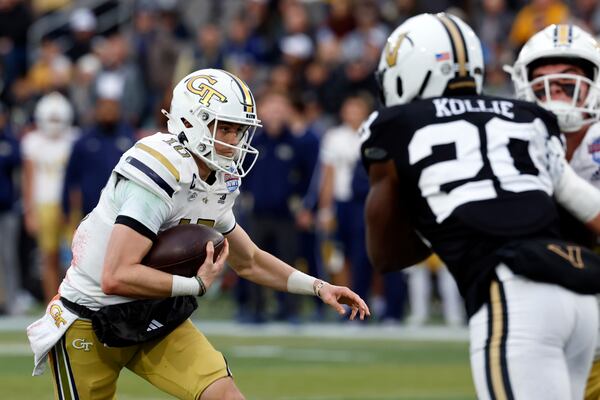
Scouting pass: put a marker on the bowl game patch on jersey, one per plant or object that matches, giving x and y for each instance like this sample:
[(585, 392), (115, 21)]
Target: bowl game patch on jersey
[(232, 182)]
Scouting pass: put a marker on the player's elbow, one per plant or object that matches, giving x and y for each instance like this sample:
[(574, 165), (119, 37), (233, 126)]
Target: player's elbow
[(242, 269), (110, 285)]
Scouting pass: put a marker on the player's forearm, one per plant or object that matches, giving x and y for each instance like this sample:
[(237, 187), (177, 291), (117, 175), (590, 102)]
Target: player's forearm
[(137, 281), (265, 269)]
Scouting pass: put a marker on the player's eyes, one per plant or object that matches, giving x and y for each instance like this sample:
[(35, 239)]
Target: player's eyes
[(568, 88)]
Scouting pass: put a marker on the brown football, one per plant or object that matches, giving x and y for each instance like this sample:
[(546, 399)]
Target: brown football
[(181, 250)]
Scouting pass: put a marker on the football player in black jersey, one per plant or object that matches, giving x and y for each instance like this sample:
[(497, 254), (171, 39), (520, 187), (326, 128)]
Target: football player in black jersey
[(476, 179)]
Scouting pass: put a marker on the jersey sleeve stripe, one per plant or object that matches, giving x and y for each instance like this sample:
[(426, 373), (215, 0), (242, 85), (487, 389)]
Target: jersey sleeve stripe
[(136, 226), (163, 160), (151, 174)]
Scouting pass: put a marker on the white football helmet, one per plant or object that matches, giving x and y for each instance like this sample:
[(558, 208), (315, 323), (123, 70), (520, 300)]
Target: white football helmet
[(430, 55), (561, 44), (53, 114), (212, 95)]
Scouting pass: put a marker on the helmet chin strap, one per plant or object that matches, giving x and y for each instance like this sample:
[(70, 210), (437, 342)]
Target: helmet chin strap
[(569, 121)]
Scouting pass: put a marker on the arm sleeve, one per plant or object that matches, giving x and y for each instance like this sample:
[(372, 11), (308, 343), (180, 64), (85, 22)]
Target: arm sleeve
[(577, 195), (226, 224), (140, 209)]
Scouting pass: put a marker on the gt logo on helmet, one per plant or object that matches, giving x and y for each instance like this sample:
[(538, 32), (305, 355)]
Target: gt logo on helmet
[(205, 91)]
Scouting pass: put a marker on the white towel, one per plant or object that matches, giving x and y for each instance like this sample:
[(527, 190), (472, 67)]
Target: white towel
[(44, 333)]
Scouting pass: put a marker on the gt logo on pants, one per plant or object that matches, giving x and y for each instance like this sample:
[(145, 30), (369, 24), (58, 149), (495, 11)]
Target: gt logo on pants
[(81, 344)]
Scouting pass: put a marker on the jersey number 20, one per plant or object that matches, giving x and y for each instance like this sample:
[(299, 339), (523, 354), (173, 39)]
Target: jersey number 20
[(502, 157)]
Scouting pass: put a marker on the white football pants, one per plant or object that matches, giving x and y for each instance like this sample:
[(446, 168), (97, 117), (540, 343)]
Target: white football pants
[(532, 341)]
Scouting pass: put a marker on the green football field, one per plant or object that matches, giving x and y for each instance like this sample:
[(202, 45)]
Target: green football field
[(292, 367)]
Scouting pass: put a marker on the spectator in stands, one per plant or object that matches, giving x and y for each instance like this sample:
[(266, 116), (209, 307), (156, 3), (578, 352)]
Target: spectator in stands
[(15, 20), (45, 154), (51, 69), (81, 90), (368, 37), (284, 167), (534, 17), (83, 28), (124, 75), (309, 140), (338, 156), (10, 161), (587, 15), (205, 51), (96, 153)]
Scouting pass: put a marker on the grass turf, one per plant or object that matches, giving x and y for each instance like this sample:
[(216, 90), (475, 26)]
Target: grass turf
[(291, 368)]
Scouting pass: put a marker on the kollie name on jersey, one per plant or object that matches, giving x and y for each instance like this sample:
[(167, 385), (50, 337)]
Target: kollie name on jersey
[(446, 107)]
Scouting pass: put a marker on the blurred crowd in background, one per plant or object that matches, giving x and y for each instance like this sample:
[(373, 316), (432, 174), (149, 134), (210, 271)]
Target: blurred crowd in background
[(80, 81)]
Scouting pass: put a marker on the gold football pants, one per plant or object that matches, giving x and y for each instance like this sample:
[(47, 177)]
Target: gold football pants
[(183, 363), (592, 389)]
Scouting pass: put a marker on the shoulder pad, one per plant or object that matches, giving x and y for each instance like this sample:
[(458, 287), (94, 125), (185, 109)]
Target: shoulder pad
[(159, 163)]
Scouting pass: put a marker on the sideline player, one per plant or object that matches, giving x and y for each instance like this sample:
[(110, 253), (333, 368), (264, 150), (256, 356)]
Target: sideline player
[(473, 177), (46, 151), (190, 175), (559, 69)]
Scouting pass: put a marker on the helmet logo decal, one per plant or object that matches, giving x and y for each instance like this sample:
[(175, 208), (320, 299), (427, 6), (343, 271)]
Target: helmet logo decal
[(391, 49), (206, 92)]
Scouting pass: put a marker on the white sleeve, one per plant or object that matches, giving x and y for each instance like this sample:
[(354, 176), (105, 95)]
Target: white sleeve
[(226, 224), (577, 195), (140, 209)]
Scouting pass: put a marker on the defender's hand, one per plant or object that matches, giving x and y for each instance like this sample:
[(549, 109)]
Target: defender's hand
[(209, 270), (335, 296)]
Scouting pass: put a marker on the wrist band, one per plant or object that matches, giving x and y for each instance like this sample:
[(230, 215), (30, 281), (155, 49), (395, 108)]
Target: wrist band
[(301, 283), (202, 290), (183, 286)]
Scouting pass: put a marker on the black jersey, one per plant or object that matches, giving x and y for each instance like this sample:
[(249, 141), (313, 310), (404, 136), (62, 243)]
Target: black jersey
[(473, 173)]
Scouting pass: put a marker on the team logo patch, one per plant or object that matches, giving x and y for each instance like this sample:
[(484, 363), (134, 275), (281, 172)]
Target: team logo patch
[(594, 150), (232, 182), (56, 314), (82, 344)]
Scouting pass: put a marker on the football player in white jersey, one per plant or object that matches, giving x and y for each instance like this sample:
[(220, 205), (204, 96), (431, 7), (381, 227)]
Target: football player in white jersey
[(477, 179), (559, 69), (190, 175), (46, 152)]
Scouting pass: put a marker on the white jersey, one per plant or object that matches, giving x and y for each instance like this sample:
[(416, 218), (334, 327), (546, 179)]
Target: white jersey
[(586, 163), (586, 158), (341, 150), (49, 155), (162, 166)]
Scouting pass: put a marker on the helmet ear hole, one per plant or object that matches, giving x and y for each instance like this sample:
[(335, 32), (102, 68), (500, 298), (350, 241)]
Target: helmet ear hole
[(399, 88), (186, 123), (182, 138)]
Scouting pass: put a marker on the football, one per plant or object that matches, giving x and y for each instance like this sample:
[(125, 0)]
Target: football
[(181, 250)]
